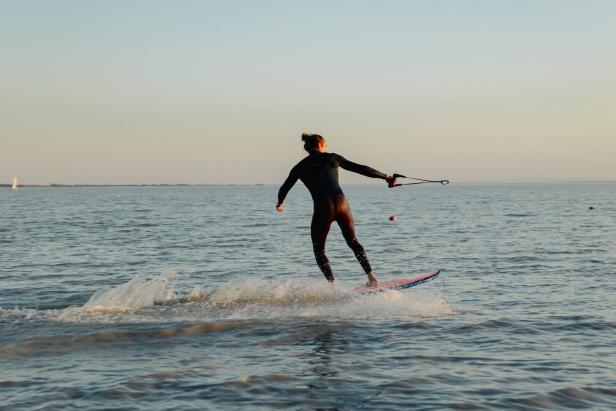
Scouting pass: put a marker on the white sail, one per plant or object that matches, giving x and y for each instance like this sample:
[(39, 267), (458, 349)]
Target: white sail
[(14, 183)]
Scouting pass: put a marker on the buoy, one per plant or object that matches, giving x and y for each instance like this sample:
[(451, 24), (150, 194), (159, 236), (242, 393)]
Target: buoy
[(392, 218), (591, 208)]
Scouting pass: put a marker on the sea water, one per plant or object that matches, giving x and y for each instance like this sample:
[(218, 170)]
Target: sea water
[(192, 298)]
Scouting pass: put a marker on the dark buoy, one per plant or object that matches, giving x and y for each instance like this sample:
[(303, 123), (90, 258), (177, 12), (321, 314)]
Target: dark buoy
[(392, 218), (591, 208)]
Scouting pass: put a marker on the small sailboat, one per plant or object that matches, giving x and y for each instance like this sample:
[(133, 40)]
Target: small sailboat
[(14, 183)]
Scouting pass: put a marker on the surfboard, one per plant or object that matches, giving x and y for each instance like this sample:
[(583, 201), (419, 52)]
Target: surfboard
[(398, 284)]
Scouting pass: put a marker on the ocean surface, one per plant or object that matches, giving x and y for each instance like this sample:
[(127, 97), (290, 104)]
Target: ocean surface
[(195, 298)]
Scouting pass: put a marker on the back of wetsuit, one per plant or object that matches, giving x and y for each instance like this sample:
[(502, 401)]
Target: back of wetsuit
[(319, 173)]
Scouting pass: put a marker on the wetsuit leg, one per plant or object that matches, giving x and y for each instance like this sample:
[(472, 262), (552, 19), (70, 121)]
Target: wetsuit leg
[(324, 214), (344, 218)]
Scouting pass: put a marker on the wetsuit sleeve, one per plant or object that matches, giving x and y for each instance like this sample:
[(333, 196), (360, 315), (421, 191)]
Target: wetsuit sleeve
[(288, 184), (358, 168)]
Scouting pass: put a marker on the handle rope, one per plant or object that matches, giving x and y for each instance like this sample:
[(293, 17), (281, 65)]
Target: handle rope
[(418, 181)]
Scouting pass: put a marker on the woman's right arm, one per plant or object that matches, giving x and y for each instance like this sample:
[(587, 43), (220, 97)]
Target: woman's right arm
[(286, 186)]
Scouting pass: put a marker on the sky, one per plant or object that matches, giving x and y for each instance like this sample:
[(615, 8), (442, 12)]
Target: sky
[(219, 92)]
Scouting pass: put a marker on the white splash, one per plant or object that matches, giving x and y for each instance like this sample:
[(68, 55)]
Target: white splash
[(18, 313), (137, 293), (262, 299), (256, 291), (142, 299)]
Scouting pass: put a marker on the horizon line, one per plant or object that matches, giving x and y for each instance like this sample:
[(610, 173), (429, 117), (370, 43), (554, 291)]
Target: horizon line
[(463, 182)]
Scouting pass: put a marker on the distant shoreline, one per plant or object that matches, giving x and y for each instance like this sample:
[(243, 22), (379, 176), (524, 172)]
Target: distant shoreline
[(263, 184), (121, 185)]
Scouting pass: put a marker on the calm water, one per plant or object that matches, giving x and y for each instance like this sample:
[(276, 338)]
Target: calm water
[(205, 298)]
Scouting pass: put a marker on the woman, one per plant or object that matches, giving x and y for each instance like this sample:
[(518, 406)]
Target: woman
[(319, 172)]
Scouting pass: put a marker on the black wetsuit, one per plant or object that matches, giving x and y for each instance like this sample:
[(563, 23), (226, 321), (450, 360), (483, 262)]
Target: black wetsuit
[(319, 172)]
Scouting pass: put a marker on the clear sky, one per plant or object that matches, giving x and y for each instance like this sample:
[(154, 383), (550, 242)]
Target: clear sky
[(220, 91)]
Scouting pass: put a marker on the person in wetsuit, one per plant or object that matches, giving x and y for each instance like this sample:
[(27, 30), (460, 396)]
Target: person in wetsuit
[(319, 173)]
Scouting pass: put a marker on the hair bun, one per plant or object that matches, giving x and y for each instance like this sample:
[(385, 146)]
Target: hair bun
[(312, 141)]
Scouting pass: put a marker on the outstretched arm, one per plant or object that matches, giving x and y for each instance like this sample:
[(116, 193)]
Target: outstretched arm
[(360, 169), (364, 170), (286, 186)]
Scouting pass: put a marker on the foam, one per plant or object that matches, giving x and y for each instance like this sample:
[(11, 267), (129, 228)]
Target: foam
[(256, 291), (257, 298), (155, 300), (18, 313)]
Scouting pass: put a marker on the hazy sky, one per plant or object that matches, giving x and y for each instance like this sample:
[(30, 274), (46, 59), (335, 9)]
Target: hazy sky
[(220, 91)]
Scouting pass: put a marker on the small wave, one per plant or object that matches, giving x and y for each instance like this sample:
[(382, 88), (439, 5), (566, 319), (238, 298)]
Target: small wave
[(65, 343), (515, 326), (147, 225), (569, 397), (595, 325), (522, 259)]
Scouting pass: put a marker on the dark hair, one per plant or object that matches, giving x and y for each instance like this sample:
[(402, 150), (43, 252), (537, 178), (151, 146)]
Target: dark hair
[(311, 141)]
